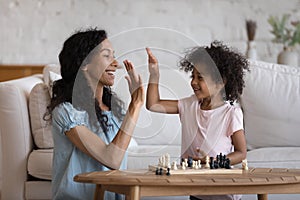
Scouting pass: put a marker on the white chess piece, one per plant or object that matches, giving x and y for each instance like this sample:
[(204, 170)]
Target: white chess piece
[(245, 164), (160, 162), (183, 165), (174, 165), (167, 160), (196, 165), (186, 162), (193, 164), (207, 162), (199, 164), (163, 161)]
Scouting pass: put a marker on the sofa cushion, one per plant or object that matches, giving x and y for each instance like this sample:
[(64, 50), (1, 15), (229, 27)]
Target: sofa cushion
[(274, 157), (40, 163), (51, 73), (271, 105), (39, 99)]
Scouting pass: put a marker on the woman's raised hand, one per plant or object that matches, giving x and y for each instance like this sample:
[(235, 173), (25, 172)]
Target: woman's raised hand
[(152, 64), (135, 84)]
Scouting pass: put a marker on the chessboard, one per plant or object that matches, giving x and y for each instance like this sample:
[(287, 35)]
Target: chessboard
[(218, 165), (154, 168)]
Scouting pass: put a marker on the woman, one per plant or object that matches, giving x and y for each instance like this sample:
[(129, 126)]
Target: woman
[(91, 132)]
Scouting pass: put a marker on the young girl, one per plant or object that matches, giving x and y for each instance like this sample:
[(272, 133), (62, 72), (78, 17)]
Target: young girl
[(211, 121)]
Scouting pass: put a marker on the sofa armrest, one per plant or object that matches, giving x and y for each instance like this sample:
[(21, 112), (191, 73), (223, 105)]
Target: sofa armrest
[(16, 140)]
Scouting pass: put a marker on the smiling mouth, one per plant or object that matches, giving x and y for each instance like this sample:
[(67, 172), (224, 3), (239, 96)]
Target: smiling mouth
[(110, 72)]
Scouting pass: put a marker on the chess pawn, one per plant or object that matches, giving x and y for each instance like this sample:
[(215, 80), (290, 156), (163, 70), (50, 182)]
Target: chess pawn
[(196, 165), (174, 165), (199, 164), (186, 162), (168, 172), (183, 165)]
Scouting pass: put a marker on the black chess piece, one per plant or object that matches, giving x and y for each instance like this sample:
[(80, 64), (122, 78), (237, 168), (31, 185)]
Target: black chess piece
[(160, 171), (222, 160), (168, 172), (157, 171), (190, 161), (216, 164), (227, 164), (211, 162), (218, 158)]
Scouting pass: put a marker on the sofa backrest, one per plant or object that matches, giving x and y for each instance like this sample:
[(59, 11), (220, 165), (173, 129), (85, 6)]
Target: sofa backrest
[(271, 105)]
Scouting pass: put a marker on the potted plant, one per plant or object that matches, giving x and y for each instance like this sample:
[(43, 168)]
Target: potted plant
[(287, 34)]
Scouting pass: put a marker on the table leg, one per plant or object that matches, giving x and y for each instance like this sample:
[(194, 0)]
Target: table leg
[(134, 193), (99, 193), (262, 196)]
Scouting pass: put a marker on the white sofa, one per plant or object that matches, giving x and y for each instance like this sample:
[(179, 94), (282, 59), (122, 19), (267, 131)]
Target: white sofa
[(271, 105)]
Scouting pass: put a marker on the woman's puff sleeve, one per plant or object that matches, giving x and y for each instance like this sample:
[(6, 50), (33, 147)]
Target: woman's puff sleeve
[(67, 117)]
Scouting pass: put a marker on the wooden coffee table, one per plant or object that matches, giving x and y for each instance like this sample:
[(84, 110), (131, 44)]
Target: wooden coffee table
[(137, 183)]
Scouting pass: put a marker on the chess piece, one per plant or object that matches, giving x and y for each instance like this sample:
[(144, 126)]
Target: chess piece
[(183, 165), (196, 165), (207, 162), (174, 165), (245, 164), (167, 160), (168, 172), (199, 164), (163, 161), (160, 171), (157, 171), (190, 161), (215, 164), (227, 164), (211, 163), (221, 160), (186, 162)]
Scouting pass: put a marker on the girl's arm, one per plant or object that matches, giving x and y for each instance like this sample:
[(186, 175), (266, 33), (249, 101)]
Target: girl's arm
[(111, 155), (153, 101), (240, 149)]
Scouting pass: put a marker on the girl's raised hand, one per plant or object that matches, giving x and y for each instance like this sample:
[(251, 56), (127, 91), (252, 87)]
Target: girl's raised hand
[(135, 84), (152, 63)]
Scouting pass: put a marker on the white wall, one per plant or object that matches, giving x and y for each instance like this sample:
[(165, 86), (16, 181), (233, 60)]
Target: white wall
[(32, 31)]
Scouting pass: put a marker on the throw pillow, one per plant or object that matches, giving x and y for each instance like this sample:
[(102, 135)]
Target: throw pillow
[(39, 99)]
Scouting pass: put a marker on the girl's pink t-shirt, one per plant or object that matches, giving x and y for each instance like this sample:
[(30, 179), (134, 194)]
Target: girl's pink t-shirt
[(208, 130)]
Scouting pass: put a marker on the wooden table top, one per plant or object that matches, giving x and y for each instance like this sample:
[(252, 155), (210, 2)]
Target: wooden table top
[(255, 176)]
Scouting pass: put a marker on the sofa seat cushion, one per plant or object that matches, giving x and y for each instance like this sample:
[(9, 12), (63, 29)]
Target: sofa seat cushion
[(274, 157), (40, 163), (139, 157)]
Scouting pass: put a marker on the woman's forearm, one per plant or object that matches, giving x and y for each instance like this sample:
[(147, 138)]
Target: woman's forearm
[(112, 154), (117, 148)]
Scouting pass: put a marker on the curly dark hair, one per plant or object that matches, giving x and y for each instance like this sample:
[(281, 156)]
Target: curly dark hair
[(76, 52), (223, 63)]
